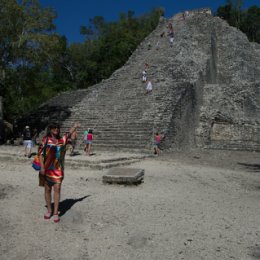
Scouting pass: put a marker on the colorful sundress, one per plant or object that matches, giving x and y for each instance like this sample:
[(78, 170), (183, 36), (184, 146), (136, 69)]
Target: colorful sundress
[(54, 155)]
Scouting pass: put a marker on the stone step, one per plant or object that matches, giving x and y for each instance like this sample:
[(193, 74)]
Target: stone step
[(122, 142), (119, 135), (82, 161), (121, 145), (106, 119), (118, 138), (108, 128)]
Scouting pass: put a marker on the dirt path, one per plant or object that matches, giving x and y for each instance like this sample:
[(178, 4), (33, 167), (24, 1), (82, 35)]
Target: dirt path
[(187, 208)]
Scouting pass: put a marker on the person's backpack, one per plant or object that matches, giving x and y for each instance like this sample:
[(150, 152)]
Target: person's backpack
[(27, 134), (85, 135)]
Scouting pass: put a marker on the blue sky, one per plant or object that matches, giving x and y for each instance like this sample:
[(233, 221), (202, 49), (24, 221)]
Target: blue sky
[(73, 14)]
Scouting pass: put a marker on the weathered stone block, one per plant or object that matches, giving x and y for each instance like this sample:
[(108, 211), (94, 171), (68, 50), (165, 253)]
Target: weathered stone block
[(127, 176)]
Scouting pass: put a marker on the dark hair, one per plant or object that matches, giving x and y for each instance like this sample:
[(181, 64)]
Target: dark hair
[(90, 131), (51, 126)]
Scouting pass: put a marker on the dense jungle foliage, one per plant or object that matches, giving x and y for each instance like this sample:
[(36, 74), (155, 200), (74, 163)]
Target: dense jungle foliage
[(37, 63), (248, 21)]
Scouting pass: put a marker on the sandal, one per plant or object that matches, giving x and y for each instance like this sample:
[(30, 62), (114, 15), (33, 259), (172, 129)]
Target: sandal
[(47, 215), (56, 218)]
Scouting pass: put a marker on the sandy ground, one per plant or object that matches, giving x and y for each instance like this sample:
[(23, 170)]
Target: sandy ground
[(197, 206)]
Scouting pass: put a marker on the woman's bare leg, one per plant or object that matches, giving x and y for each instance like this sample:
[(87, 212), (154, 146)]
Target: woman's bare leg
[(89, 148), (47, 195), (57, 189)]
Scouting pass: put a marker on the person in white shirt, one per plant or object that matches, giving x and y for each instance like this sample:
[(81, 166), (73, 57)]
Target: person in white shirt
[(149, 87), (144, 76)]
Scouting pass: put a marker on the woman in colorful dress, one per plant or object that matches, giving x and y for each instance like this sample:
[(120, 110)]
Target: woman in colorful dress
[(52, 152)]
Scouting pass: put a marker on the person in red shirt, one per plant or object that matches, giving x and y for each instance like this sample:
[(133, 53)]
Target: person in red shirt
[(89, 141), (157, 140)]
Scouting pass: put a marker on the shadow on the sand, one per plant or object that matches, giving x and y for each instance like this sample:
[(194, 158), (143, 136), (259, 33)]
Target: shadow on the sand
[(67, 204), (75, 154), (32, 155), (251, 167)]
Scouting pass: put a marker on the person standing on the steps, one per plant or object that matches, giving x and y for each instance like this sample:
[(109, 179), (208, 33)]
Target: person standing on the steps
[(149, 87), (144, 78), (27, 141), (85, 136), (157, 141), (89, 141), (186, 14), (171, 35)]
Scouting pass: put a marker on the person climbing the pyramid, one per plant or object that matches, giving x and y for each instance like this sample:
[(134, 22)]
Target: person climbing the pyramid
[(149, 87)]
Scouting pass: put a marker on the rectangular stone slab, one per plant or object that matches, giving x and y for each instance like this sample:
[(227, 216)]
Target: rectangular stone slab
[(126, 176)]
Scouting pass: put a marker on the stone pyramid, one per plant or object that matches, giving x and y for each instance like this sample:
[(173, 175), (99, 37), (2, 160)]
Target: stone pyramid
[(205, 92)]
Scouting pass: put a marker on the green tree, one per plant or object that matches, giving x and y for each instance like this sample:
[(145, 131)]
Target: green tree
[(108, 45), (231, 12), (224, 12), (27, 48), (247, 21), (235, 12), (251, 23)]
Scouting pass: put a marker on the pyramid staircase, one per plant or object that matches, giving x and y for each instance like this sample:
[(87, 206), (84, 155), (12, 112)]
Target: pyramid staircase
[(202, 95), (119, 111)]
